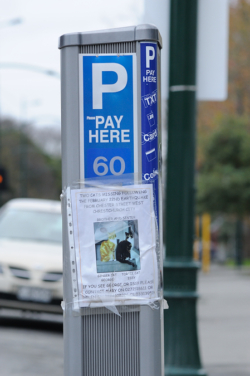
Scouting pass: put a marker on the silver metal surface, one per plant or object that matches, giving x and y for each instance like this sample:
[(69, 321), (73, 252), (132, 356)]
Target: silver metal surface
[(111, 344), (73, 334), (96, 341), (112, 36), (107, 48)]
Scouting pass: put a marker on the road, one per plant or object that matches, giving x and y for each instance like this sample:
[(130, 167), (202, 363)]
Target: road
[(30, 348), (224, 321), (35, 348)]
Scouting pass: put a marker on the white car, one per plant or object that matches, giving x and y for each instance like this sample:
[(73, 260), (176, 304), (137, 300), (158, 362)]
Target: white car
[(31, 255)]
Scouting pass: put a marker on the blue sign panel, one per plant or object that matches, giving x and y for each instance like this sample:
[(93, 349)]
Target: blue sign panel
[(108, 97), (149, 125)]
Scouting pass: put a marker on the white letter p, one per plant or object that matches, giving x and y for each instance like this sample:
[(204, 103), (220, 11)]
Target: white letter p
[(148, 56), (99, 88)]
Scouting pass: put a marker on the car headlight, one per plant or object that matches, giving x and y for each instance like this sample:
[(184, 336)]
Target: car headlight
[(1, 269)]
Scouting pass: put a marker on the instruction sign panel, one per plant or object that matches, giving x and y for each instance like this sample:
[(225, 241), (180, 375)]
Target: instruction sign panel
[(108, 114), (116, 246), (149, 116)]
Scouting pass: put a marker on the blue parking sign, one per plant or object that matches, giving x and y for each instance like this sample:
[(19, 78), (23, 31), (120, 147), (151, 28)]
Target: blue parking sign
[(149, 118), (108, 114)]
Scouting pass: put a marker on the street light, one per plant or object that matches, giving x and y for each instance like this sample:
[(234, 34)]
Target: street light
[(12, 22)]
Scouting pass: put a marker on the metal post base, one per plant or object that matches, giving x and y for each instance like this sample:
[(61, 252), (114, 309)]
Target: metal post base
[(172, 371), (180, 329)]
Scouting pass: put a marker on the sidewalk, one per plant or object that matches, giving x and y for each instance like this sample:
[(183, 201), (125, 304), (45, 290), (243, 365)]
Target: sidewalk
[(224, 321)]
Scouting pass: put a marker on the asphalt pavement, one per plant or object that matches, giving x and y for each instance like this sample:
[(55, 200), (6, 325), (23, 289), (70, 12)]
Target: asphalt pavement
[(30, 346), (36, 349), (224, 321)]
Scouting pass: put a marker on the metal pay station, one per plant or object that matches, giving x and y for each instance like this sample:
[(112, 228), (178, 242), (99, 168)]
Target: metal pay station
[(111, 178)]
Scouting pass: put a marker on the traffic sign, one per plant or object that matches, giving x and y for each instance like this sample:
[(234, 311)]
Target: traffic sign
[(149, 117), (108, 114)]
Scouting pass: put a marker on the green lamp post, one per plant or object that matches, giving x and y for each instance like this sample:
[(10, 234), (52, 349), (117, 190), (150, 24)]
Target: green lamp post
[(180, 271)]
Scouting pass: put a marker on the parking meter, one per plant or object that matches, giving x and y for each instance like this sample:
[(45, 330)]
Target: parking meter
[(112, 231)]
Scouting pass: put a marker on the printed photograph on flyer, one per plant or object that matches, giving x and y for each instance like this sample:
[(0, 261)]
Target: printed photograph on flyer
[(117, 246)]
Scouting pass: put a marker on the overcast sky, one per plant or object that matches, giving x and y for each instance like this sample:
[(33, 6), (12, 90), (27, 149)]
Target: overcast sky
[(30, 96)]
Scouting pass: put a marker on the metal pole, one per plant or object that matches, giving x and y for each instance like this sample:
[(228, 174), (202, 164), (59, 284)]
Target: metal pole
[(238, 238), (180, 271), (23, 162), (206, 220), (197, 239)]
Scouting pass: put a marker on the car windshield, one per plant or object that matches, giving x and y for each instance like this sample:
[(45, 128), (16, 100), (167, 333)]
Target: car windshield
[(31, 225)]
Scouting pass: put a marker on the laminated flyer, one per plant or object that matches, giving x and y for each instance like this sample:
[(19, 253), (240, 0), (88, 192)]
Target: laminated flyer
[(114, 231)]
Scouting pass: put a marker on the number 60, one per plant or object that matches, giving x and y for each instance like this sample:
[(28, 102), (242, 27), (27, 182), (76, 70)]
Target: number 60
[(97, 165)]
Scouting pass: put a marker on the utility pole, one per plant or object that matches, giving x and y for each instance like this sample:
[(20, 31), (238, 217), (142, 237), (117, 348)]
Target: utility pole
[(180, 271)]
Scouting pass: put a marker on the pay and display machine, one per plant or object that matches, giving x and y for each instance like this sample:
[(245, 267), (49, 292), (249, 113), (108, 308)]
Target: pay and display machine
[(111, 129)]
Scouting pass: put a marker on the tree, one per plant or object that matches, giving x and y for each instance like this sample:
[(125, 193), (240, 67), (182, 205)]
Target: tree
[(47, 139), (224, 177), (31, 172), (211, 113)]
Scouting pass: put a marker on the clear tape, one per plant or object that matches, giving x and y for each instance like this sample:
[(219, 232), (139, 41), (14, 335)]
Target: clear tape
[(115, 306), (110, 302)]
